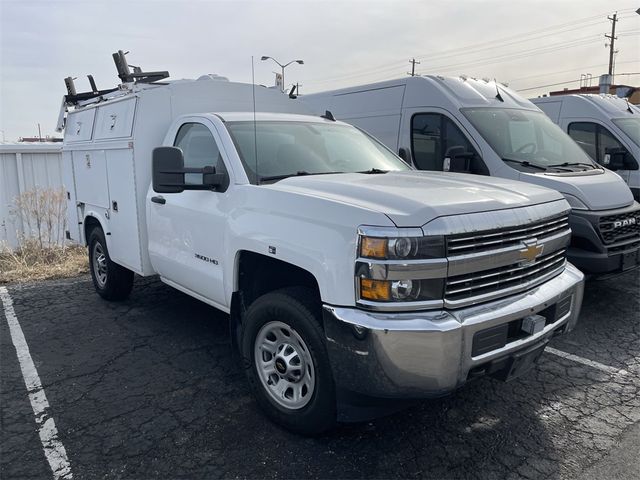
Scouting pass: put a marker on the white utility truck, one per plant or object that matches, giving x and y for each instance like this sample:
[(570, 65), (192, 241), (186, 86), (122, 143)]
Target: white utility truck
[(347, 275), (460, 124), (607, 128)]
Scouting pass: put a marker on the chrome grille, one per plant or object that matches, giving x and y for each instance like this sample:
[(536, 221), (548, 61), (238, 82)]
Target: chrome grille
[(494, 239), (612, 233), (510, 277)]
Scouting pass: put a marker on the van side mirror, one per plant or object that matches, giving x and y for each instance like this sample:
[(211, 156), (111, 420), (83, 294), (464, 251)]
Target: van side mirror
[(402, 153), (618, 158), (457, 159), (168, 172)]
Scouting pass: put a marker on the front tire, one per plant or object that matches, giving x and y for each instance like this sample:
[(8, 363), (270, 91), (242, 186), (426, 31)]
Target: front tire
[(111, 281), (286, 361)]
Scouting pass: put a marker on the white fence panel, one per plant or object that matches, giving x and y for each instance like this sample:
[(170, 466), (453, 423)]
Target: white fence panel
[(23, 167)]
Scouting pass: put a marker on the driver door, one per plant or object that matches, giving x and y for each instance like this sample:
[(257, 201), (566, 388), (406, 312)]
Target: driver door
[(187, 229)]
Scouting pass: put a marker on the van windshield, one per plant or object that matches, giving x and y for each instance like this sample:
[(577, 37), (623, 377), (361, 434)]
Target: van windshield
[(288, 149), (528, 140), (631, 127)]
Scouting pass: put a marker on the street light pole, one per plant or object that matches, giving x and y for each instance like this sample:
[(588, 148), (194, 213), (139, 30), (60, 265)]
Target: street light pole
[(263, 58)]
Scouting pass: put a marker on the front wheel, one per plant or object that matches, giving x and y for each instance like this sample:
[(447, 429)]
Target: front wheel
[(287, 363), (111, 281)]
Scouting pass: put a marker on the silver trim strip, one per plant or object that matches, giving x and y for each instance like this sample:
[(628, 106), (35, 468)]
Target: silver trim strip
[(408, 270)]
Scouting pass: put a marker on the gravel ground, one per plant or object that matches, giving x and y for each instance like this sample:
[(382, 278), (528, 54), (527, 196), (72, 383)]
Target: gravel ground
[(148, 388)]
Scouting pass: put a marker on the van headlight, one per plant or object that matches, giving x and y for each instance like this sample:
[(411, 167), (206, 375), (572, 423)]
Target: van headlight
[(400, 268)]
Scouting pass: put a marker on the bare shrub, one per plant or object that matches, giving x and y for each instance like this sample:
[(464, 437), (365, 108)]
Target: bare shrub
[(42, 252), (43, 215)]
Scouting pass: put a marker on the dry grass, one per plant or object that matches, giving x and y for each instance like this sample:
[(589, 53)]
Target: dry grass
[(30, 262)]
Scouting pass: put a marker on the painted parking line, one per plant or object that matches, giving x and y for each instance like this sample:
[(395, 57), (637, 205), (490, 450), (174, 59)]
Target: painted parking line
[(53, 449), (585, 361)]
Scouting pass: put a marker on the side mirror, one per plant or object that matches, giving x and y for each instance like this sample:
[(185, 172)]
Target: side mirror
[(402, 153), (168, 172), (457, 159), (614, 158)]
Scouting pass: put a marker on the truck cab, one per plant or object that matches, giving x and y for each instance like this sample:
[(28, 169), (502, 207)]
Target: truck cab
[(607, 128), (465, 125)]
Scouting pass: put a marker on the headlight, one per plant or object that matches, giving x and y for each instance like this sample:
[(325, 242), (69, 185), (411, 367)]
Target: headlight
[(400, 244), (401, 290), (400, 266)]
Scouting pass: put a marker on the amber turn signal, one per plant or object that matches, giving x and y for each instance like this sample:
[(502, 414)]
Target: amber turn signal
[(373, 247), (375, 289)]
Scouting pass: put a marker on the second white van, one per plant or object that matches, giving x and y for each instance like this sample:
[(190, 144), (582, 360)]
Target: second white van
[(605, 126)]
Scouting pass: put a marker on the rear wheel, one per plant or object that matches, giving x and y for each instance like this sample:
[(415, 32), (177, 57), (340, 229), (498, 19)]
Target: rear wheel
[(286, 360), (111, 281)]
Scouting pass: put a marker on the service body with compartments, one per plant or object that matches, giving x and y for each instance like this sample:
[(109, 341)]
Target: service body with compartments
[(347, 274), (461, 124)]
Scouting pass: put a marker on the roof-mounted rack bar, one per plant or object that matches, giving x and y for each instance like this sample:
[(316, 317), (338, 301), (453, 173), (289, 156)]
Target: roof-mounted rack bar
[(72, 97), (124, 73)]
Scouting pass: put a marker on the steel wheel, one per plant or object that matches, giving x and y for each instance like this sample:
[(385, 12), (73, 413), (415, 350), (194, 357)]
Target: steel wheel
[(284, 365), (99, 264)]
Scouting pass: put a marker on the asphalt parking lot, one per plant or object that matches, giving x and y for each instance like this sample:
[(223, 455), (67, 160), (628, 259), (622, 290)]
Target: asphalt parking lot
[(148, 388)]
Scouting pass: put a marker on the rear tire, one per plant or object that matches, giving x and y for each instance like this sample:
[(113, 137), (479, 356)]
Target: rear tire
[(111, 281), (286, 360)]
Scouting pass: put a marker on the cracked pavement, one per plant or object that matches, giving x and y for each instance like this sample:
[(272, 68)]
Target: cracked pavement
[(148, 388)]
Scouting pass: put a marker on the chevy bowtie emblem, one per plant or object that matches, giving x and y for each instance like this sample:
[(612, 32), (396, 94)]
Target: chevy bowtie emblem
[(531, 251)]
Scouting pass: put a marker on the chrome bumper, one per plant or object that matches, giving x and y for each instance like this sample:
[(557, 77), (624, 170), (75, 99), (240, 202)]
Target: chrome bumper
[(424, 354)]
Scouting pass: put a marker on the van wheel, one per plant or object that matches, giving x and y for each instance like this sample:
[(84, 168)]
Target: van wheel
[(111, 281), (286, 361)]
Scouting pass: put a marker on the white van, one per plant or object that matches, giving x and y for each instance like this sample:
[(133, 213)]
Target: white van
[(605, 126), (466, 125)]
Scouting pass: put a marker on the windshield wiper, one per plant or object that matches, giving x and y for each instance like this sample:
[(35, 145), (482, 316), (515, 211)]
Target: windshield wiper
[(300, 173), (525, 163), (373, 171), (572, 164)]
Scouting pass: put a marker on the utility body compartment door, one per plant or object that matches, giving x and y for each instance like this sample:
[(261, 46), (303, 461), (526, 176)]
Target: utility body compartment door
[(124, 247), (90, 170)]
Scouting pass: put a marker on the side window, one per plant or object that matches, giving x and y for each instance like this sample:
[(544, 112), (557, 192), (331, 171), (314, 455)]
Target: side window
[(432, 137), (584, 134), (426, 140), (200, 150)]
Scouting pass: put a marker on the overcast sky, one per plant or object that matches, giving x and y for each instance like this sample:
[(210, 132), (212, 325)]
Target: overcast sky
[(524, 43)]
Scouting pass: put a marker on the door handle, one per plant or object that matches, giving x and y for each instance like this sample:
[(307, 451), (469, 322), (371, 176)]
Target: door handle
[(158, 199)]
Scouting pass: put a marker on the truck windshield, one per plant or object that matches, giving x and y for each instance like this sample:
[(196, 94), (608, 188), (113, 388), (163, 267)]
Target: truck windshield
[(286, 149), (630, 126), (528, 140)]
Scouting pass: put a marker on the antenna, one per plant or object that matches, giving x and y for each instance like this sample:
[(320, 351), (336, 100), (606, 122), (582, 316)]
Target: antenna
[(628, 106), (498, 96), (255, 131)]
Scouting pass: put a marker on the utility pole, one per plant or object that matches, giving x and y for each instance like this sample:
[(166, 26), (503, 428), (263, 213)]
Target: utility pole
[(612, 39), (413, 63)]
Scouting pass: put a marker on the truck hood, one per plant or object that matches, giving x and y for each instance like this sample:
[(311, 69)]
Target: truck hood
[(411, 198), (603, 190)]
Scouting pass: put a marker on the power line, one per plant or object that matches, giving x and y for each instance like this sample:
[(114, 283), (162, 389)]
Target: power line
[(471, 48)]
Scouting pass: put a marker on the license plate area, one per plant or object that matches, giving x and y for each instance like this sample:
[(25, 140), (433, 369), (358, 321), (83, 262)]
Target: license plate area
[(630, 260), (520, 362)]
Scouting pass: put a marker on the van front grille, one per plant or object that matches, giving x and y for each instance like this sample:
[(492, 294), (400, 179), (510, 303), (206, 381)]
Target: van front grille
[(615, 228)]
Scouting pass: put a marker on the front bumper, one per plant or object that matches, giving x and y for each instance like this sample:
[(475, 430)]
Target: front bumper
[(431, 353), (591, 254)]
